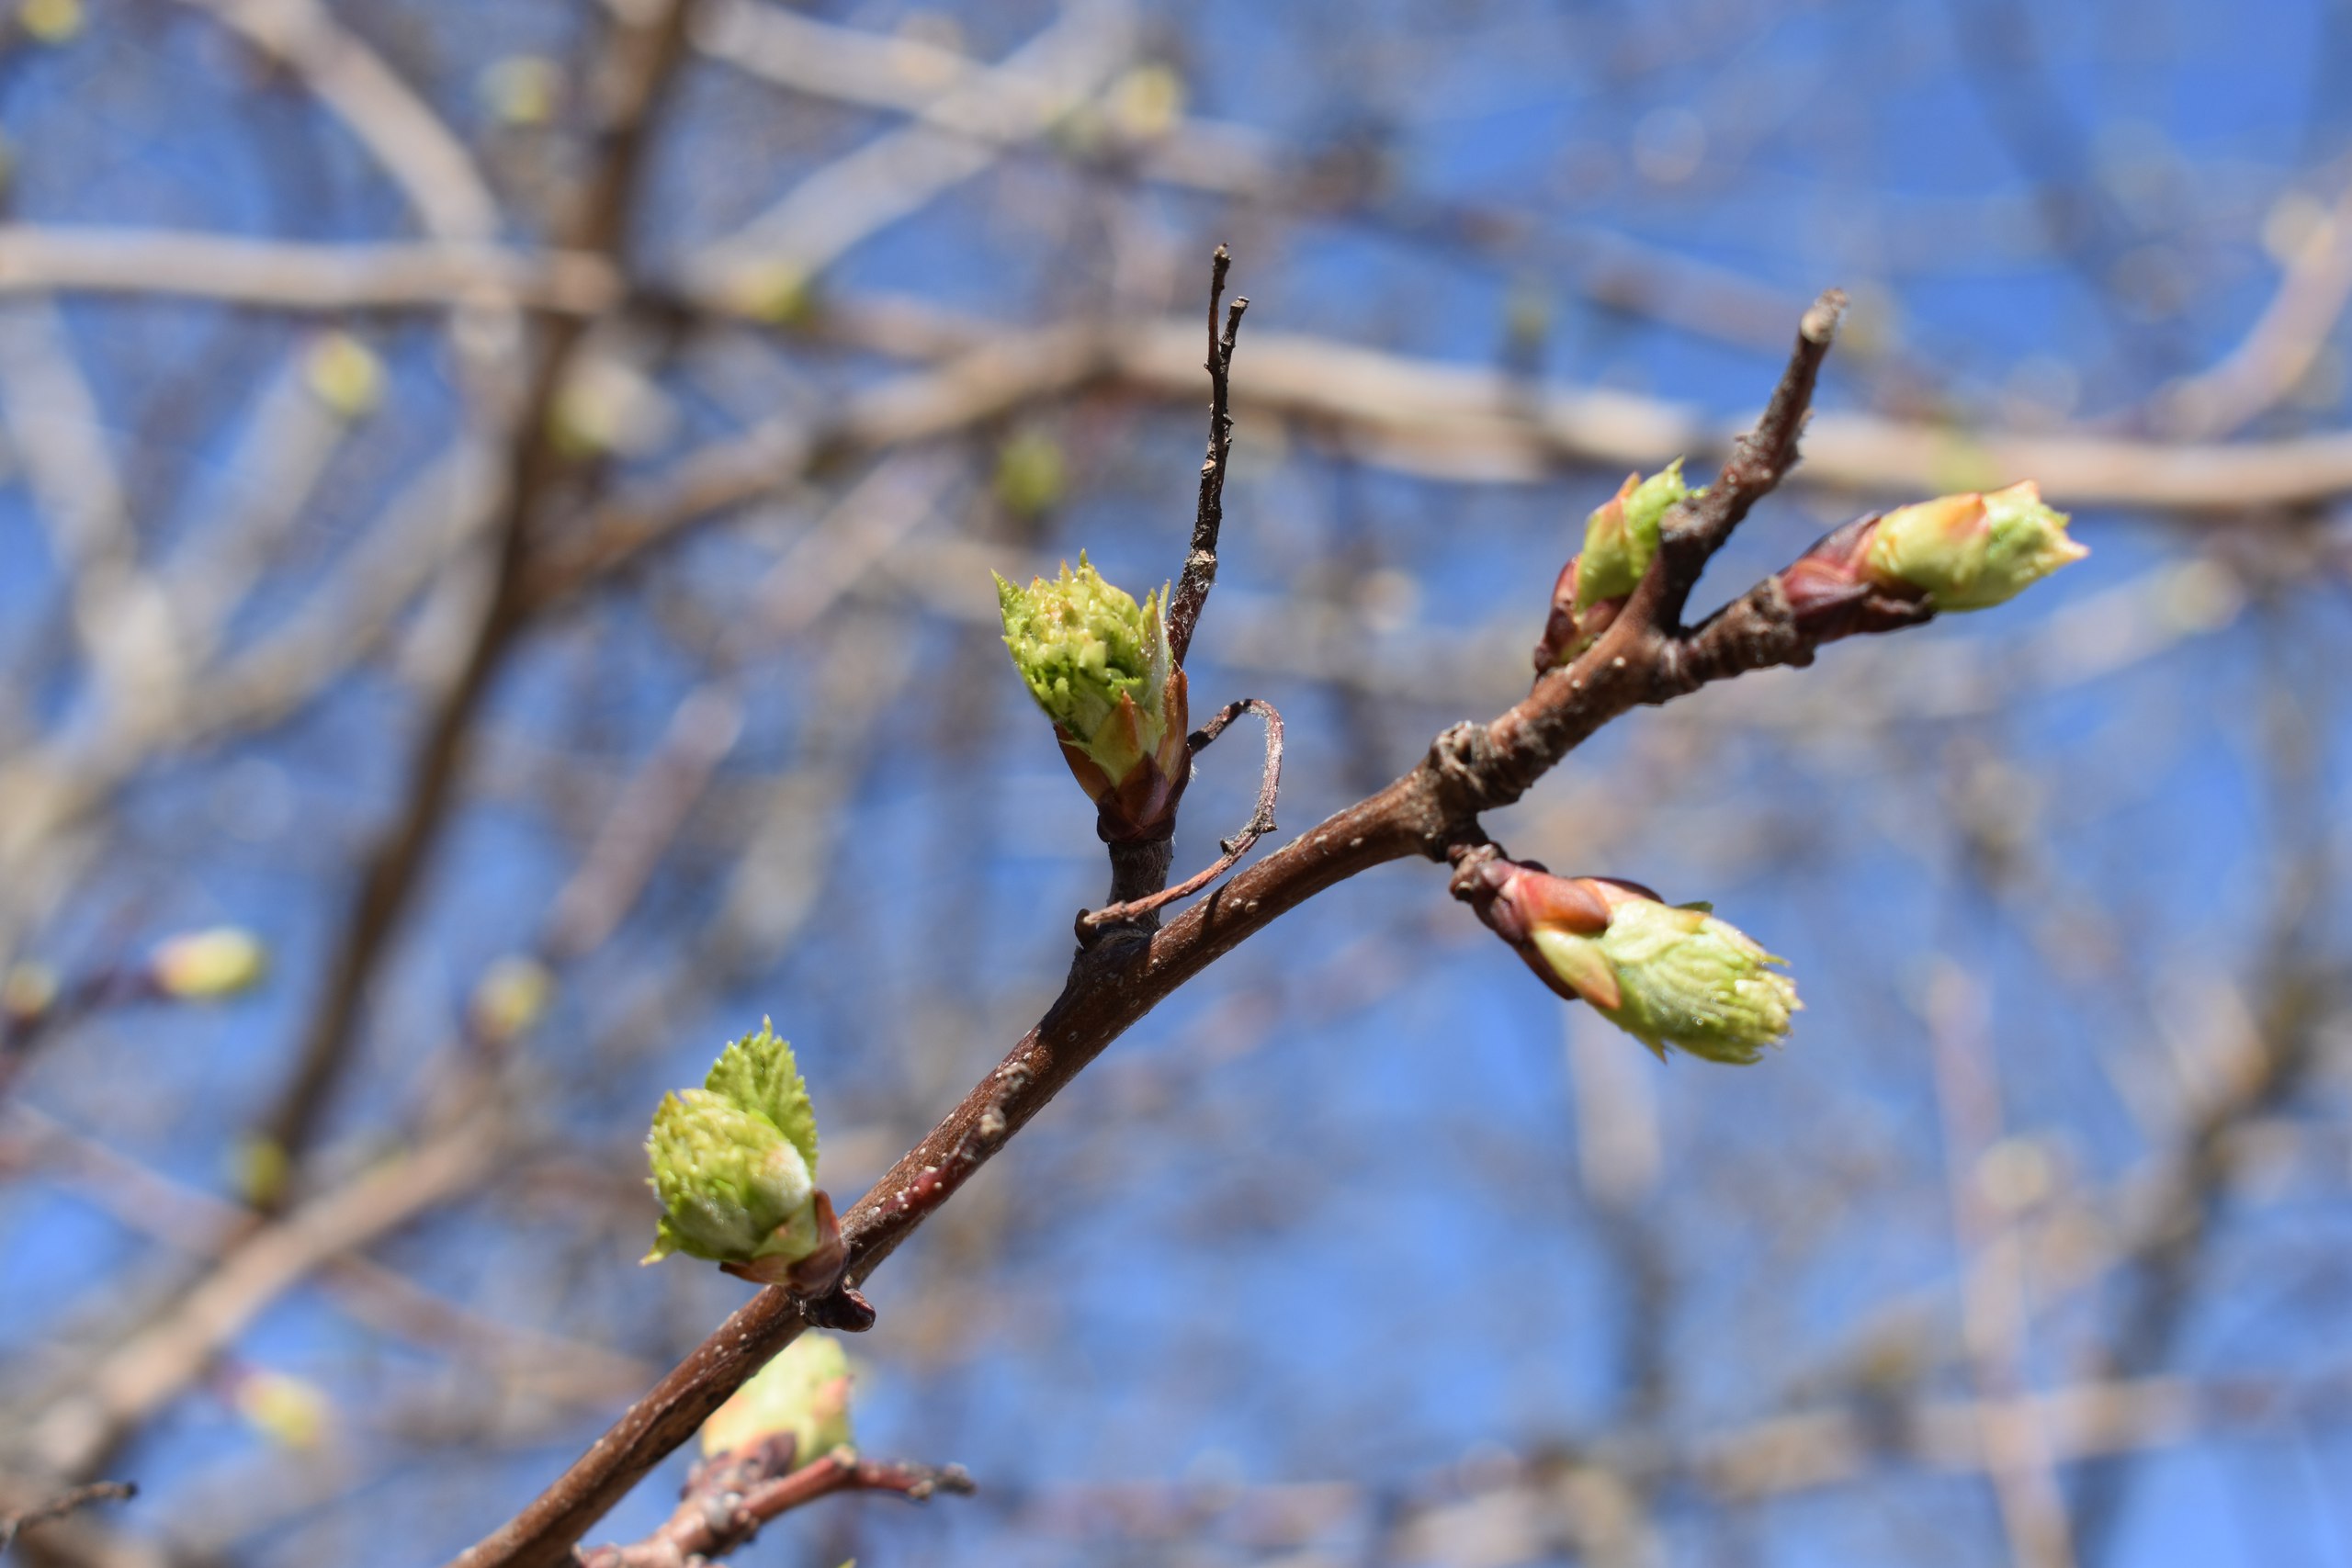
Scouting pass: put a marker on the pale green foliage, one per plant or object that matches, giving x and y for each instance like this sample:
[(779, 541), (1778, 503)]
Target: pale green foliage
[(734, 1162), (1969, 551), (758, 1073), (1682, 978), (805, 1391), (1620, 536), (1096, 661)]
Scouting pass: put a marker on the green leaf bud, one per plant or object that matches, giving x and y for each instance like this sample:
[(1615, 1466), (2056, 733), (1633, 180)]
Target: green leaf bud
[(1971, 551), (734, 1162), (1099, 666), (1668, 975), (1620, 536), (803, 1392), (1680, 976)]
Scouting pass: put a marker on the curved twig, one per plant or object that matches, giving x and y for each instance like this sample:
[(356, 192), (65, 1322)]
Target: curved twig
[(1261, 823), (729, 1496)]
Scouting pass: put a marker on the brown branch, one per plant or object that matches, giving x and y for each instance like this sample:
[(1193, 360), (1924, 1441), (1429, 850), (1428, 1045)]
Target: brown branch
[(1261, 823), (729, 1496), (1429, 811), (1200, 562), (64, 1503)]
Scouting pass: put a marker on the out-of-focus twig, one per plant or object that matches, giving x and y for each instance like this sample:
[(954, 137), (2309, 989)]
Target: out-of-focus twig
[(1994, 1321), (729, 1496), (81, 1428), (70, 1501)]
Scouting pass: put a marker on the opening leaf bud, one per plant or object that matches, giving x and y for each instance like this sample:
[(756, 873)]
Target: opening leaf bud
[(1099, 666), (734, 1162), (1620, 536), (1971, 551), (802, 1392), (1669, 975)]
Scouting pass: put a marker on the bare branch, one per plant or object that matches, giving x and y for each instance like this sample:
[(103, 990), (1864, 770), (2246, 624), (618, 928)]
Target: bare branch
[(1430, 811), (1200, 562)]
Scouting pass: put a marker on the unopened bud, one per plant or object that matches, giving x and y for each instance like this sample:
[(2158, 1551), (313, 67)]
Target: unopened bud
[(1971, 551), (1099, 665), (1030, 476), (207, 964), (1620, 536), (344, 373), (734, 1161), (51, 22), (291, 1412), (27, 989), (258, 1167), (803, 1393), (1669, 975), (523, 89), (511, 999)]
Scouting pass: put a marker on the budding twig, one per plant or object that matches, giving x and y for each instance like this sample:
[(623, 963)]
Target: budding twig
[(1200, 563), (1261, 823), (1471, 768), (728, 1497)]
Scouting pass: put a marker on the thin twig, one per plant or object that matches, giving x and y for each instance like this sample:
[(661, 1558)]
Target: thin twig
[(64, 1503), (1262, 820), (731, 1496), (1200, 562)]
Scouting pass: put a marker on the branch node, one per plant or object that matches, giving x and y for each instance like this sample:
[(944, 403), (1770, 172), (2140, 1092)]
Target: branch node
[(1261, 823)]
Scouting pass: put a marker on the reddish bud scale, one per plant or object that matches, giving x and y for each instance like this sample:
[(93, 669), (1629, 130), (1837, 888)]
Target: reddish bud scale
[(1567, 630), (1142, 806), (1515, 898), (1831, 595)]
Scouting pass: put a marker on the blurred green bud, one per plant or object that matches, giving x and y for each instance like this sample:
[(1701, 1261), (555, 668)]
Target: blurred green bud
[(522, 89), (344, 373), (291, 1412), (804, 1393), (1030, 476), (781, 293), (1668, 975), (1146, 101), (258, 1168), (27, 989), (1621, 536), (511, 997), (207, 964), (51, 22), (1099, 665), (1971, 551), (734, 1161)]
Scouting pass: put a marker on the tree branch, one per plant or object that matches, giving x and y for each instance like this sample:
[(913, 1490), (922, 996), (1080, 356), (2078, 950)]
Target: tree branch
[(1430, 811), (729, 1496), (1200, 562)]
